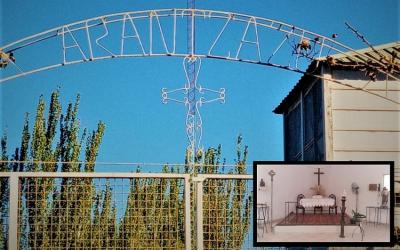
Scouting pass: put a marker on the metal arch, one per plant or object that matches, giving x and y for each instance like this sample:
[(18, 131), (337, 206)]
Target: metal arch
[(320, 42), (81, 38)]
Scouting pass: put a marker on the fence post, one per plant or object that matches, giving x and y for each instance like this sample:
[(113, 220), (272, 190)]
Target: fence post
[(13, 212), (199, 212), (188, 229)]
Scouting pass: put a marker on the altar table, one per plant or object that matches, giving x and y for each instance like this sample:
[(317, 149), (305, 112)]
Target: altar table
[(317, 202)]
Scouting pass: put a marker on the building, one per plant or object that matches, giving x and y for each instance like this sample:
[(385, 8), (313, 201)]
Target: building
[(353, 119), (349, 112)]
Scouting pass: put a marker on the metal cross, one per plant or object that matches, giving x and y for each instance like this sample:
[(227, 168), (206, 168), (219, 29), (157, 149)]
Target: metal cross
[(319, 174), (193, 99)]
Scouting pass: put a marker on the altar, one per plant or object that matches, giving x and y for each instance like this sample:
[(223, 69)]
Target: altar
[(311, 202), (317, 201)]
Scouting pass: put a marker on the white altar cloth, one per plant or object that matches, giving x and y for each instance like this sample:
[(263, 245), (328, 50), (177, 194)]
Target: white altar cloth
[(317, 202)]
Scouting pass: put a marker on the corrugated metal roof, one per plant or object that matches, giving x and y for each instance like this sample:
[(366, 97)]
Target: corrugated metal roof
[(385, 50), (293, 94), (381, 55)]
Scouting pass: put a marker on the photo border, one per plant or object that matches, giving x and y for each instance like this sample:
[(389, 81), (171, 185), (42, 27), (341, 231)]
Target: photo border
[(391, 243)]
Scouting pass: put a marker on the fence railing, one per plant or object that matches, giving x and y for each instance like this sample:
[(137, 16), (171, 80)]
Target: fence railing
[(77, 210), (98, 210), (224, 210), (65, 210)]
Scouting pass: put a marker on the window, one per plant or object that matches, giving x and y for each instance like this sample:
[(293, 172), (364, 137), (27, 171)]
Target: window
[(386, 181)]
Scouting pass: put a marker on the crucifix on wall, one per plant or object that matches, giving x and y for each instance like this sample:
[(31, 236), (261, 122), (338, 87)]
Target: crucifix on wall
[(319, 175)]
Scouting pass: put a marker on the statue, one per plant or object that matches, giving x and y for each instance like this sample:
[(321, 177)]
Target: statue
[(262, 184), (385, 197)]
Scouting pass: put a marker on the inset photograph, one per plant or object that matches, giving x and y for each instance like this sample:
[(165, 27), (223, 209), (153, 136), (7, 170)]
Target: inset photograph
[(316, 203)]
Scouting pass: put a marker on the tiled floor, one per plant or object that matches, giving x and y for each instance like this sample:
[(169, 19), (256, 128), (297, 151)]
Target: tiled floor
[(379, 233)]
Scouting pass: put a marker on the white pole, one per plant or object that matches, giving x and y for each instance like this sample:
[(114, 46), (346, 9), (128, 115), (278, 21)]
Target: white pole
[(188, 229), (199, 214), (13, 219)]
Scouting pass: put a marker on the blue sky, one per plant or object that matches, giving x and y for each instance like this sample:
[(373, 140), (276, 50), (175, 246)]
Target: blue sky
[(125, 93)]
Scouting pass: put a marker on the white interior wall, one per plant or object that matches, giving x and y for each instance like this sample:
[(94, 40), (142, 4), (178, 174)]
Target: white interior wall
[(291, 180), (342, 176), (288, 183)]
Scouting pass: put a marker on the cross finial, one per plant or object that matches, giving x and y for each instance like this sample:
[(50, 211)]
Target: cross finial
[(193, 99)]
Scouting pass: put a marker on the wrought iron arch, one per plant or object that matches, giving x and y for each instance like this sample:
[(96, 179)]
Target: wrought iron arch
[(75, 36), (154, 33)]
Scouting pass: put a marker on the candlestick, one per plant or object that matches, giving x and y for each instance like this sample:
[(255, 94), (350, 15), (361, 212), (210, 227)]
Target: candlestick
[(343, 210)]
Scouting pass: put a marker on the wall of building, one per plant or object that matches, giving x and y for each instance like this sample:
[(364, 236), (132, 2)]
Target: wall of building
[(361, 125)]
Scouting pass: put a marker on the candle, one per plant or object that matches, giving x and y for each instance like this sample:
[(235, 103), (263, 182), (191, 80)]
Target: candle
[(344, 193)]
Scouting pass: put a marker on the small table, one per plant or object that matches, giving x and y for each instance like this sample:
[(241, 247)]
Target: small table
[(287, 209), (263, 214), (377, 214)]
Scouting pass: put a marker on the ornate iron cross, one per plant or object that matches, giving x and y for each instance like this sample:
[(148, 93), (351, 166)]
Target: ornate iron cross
[(194, 98)]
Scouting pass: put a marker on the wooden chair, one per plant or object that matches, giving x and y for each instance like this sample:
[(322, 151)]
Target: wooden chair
[(332, 196), (298, 206)]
